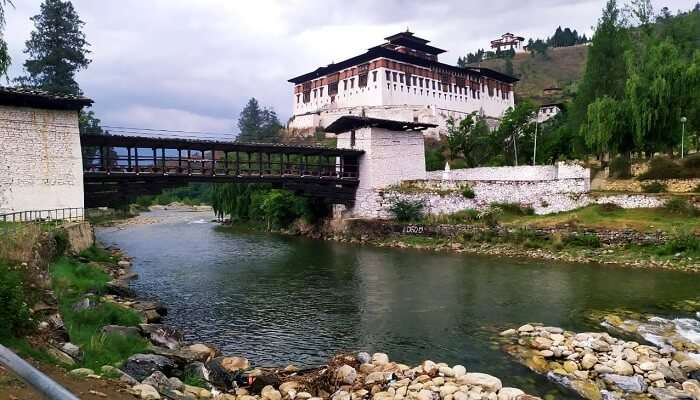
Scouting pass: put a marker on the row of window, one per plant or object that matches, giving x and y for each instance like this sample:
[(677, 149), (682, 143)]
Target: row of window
[(401, 78)]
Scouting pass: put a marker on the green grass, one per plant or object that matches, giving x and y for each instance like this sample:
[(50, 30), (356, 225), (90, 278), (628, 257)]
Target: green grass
[(194, 380), (72, 281), (95, 253), (597, 216)]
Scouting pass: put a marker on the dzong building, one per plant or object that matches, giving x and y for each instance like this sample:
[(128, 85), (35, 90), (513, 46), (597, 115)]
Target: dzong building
[(401, 79)]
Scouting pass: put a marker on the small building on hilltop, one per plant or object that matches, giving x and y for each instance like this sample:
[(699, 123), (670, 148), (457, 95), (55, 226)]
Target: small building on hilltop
[(508, 42), (401, 79), (41, 161)]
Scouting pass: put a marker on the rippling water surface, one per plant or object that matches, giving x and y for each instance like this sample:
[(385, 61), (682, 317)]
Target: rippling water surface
[(279, 300)]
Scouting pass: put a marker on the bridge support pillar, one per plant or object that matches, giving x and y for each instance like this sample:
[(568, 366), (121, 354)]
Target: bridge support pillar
[(394, 151)]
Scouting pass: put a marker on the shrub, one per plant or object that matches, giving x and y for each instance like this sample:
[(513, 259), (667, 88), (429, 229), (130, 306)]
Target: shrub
[(582, 240), (468, 192), (460, 217), (60, 238), (654, 187), (663, 168), (680, 206), (608, 207), (692, 163), (407, 210), (281, 207), (620, 168), (14, 312), (682, 243), (434, 160), (490, 215), (144, 201), (457, 163), (697, 189), (515, 208)]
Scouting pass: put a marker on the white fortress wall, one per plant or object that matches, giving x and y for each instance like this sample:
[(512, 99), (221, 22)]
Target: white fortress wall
[(41, 162)]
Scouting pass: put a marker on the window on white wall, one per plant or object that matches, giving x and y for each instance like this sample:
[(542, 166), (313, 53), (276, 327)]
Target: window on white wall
[(400, 78), (345, 84), (374, 76), (394, 75), (388, 75)]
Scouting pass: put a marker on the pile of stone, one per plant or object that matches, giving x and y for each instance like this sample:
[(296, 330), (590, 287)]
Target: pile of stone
[(599, 366), (346, 377)]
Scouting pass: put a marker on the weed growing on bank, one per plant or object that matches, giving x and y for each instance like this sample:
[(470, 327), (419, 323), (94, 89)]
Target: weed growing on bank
[(15, 316), (75, 283), (98, 254)]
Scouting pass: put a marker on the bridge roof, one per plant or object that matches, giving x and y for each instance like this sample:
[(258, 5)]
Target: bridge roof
[(349, 122), (208, 145), (34, 98)]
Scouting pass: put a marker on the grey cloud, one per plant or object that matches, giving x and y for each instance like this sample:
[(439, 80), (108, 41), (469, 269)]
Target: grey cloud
[(175, 63)]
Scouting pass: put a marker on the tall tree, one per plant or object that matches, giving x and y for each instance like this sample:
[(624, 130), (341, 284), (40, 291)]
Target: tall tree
[(605, 73), (5, 59), (57, 49), (258, 124), (516, 133)]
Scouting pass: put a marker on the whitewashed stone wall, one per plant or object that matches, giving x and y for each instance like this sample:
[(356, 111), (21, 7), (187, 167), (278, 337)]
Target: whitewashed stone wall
[(522, 173), (40, 160), (544, 198)]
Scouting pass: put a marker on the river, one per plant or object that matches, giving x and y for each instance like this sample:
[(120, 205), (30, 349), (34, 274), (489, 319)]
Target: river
[(281, 300)]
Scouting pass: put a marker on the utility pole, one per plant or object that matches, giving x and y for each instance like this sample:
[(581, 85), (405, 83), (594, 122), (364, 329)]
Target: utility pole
[(534, 151), (683, 121)]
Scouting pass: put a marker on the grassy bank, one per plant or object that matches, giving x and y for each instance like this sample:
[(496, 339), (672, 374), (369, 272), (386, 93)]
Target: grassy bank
[(77, 283), (78, 288), (511, 230), (609, 217)]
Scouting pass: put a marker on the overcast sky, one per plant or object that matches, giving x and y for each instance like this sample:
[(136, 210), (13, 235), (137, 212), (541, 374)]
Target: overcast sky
[(192, 65)]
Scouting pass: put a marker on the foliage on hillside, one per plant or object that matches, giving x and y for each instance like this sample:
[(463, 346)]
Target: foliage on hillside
[(562, 67)]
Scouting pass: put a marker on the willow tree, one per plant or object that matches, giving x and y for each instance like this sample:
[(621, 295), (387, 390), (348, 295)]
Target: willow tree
[(661, 89)]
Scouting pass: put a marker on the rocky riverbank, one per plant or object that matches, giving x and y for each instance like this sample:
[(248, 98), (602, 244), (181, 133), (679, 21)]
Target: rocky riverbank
[(596, 365), (624, 247)]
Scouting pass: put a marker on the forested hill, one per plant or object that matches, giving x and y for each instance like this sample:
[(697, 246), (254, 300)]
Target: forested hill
[(561, 67)]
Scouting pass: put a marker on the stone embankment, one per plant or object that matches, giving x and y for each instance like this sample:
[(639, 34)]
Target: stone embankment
[(599, 366), (169, 369)]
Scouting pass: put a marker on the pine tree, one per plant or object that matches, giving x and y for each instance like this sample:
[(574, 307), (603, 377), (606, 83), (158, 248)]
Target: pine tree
[(57, 49), (605, 73), (258, 125)]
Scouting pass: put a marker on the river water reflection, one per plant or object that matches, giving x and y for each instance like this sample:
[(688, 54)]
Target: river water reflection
[(279, 300)]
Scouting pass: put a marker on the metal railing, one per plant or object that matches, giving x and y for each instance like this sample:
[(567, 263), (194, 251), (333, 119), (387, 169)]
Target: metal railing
[(34, 378), (14, 222)]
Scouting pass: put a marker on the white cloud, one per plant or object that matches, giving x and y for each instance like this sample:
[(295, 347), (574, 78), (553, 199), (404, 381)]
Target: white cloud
[(194, 64)]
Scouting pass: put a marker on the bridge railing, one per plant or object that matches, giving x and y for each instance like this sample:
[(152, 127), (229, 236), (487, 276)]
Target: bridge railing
[(35, 378), (15, 222), (242, 165)]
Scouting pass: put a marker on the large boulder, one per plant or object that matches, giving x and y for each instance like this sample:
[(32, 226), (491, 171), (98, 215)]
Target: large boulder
[(670, 393), (181, 356), (628, 384), (140, 366), (162, 335), (224, 371), (119, 287), (487, 382), (131, 331)]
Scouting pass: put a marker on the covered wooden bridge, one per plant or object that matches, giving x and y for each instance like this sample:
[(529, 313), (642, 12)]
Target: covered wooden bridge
[(119, 168)]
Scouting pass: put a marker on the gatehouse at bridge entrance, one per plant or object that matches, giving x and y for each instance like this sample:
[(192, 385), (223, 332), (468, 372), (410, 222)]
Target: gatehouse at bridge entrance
[(40, 161)]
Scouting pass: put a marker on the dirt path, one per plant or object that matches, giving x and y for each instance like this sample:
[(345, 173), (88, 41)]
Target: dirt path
[(12, 388)]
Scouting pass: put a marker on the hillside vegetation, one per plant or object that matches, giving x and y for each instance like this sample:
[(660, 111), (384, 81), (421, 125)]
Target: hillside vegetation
[(561, 67)]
